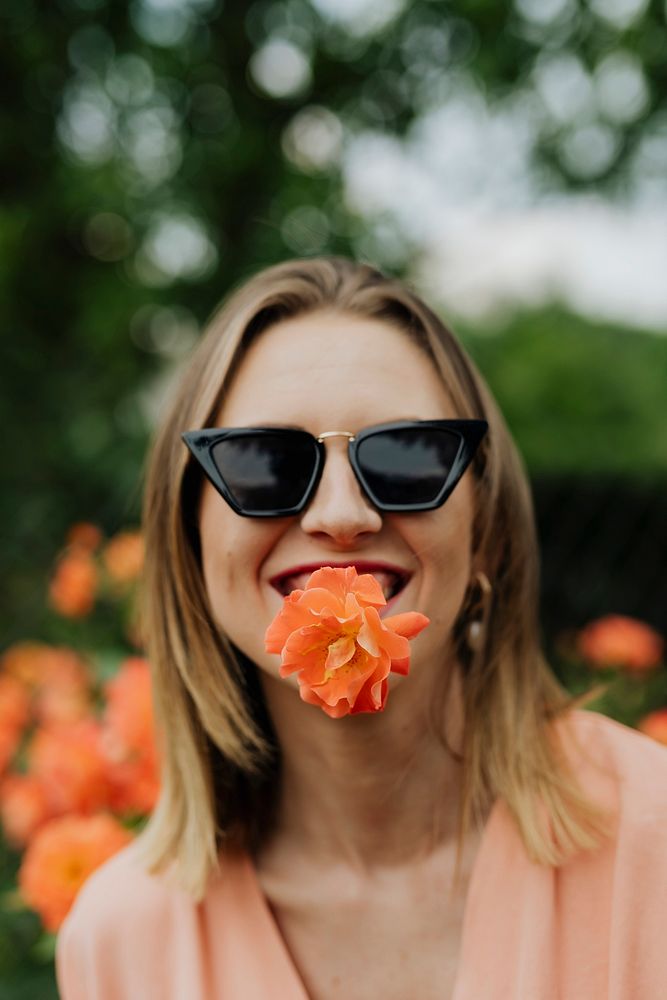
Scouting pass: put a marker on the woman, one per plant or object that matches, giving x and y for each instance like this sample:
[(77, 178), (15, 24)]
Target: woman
[(478, 837)]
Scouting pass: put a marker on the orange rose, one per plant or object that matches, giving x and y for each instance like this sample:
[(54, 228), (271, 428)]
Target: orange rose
[(129, 738), (618, 641), (129, 711), (655, 725), (22, 661), (124, 556), (134, 785), (58, 679), (74, 584), (331, 635), (34, 662), (65, 695), (24, 807), (87, 536), (70, 763), (60, 858)]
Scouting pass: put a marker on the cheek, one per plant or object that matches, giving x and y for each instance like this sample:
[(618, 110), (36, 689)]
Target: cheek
[(446, 564), (233, 550), (217, 545)]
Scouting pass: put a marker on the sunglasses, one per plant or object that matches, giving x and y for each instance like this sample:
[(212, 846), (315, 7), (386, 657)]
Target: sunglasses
[(274, 471)]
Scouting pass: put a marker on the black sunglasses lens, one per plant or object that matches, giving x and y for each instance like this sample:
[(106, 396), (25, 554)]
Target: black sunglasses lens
[(266, 472), (409, 465)]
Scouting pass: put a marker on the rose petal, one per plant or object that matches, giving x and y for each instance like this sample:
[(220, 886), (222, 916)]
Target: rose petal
[(340, 651), (334, 711), (336, 580), (408, 624), (305, 648), (375, 632), (372, 698), (367, 590)]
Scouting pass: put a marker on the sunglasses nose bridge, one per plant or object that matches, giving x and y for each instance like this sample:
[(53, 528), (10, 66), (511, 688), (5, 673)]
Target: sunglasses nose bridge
[(326, 436), (321, 439), (337, 504), (330, 434)]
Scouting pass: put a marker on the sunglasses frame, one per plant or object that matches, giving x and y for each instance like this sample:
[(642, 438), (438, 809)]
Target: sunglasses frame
[(469, 432)]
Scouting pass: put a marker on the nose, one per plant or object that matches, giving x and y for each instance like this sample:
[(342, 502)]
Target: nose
[(339, 511)]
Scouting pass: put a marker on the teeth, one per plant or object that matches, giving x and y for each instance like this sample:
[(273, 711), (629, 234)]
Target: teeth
[(389, 582), (290, 583)]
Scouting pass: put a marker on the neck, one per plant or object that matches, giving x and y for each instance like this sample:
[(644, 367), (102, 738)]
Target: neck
[(367, 790)]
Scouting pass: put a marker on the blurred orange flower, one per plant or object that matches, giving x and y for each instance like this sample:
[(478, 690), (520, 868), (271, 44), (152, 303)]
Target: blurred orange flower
[(60, 858), (331, 635), (24, 807), (58, 678), (129, 738), (14, 715), (124, 556), (655, 725), (70, 763), (129, 711), (27, 661), (64, 696), (73, 586), (86, 535), (619, 641)]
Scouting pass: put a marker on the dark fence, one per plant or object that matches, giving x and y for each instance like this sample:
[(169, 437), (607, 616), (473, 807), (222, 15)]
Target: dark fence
[(604, 550)]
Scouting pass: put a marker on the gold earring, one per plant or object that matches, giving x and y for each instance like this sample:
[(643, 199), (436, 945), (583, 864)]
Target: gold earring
[(479, 611)]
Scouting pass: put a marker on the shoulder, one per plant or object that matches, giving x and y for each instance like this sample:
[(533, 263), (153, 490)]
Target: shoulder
[(627, 750), (121, 887), (619, 889), (626, 768), (119, 921)]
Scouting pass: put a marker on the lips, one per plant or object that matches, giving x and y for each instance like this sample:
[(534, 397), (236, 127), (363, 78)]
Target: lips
[(391, 578)]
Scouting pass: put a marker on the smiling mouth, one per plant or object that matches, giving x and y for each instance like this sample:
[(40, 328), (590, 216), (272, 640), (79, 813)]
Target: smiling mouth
[(392, 579)]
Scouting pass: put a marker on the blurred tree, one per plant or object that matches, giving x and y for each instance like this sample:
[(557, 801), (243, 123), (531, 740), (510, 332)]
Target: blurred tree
[(578, 396), (154, 153)]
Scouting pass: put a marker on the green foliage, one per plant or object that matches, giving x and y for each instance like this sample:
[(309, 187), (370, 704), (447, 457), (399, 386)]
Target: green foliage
[(625, 697), (101, 641), (579, 397), (26, 952), (119, 119)]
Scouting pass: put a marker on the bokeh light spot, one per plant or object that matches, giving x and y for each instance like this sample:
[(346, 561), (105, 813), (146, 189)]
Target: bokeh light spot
[(176, 246), (280, 68), (588, 150), (620, 13), (313, 139), (86, 124), (621, 88)]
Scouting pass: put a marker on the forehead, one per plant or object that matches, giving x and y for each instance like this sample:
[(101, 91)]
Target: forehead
[(325, 368)]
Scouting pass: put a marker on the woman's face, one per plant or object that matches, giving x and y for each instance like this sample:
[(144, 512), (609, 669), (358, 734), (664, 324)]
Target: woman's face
[(326, 372)]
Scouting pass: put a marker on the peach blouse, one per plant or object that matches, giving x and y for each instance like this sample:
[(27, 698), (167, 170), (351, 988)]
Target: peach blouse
[(594, 928)]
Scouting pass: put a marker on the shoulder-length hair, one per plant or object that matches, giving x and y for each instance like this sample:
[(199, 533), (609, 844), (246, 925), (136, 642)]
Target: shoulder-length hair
[(220, 759)]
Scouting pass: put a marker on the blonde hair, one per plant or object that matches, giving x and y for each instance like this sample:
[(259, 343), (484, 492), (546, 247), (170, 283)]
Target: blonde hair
[(220, 760)]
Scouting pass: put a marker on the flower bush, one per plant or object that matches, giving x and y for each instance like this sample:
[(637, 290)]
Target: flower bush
[(78, 760), (60, 858), (624, 660)]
